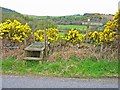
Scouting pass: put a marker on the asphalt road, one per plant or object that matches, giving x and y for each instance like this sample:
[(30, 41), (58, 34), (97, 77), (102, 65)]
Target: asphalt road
[(10, 81)]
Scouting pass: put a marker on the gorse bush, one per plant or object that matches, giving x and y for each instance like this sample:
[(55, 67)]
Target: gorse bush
[(14, 30), (110, 33), (73, 36), (39, 35), (51, 34)]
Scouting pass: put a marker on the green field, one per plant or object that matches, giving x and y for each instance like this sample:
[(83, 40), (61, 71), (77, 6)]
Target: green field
[(67, 27)]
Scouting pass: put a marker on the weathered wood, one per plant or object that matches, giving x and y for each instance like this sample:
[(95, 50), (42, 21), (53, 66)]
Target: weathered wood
[(23, 61), (25, 43), (40, 62), (101, 48), (32, 58), (34, 49), (45, 41)]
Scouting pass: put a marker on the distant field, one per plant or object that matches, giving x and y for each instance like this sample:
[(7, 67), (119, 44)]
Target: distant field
[(57, 17), (67, 27), (61, 33)]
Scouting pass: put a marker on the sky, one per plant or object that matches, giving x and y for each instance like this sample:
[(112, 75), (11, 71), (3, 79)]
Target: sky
[(61, 7)]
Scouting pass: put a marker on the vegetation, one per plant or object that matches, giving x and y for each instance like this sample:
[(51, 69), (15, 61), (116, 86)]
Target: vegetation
[(51, 33), (72, 19), (14, 30), (73, 36), (18, 30), (109, 35), (10, 14), (73, 67), (41, 24)]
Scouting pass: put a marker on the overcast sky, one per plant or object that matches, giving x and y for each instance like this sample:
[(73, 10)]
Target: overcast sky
[(61, 7)]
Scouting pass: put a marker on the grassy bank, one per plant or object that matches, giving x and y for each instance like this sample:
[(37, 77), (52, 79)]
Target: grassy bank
[(87, 68)]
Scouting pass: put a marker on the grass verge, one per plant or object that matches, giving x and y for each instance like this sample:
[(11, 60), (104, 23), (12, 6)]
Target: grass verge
[(73, 67)]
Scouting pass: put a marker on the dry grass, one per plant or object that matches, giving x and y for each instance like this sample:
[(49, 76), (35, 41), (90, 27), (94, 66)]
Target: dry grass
[(66, 52), (17, 53), (83, 53)]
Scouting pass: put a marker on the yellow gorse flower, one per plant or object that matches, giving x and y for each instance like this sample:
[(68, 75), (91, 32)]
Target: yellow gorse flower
[(14, 30), (51, 34)]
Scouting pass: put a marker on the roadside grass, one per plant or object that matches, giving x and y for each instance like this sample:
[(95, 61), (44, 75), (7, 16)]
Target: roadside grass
[(73, 67)]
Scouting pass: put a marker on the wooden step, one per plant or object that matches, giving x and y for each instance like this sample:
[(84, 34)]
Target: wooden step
[(32, 58)]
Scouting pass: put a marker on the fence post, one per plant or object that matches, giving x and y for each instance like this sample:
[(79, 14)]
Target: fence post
[(1, 53), (25, 43), (87, 30), (118, 32), (45, 41), (33, 37), (101, 50)]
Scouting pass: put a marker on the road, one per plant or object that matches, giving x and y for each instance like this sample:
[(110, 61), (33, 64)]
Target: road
[(10, 81)]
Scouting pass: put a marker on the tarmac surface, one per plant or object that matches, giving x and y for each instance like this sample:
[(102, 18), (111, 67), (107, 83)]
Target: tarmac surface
[(12, 81)]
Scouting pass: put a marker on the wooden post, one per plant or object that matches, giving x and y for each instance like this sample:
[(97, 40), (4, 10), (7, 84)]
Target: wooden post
[(23, 61), (40, 62), (1, 53), (101, 50), (87, 30), (25, 42), (86, 36), (45, 41), (33, 37), (118, 33)]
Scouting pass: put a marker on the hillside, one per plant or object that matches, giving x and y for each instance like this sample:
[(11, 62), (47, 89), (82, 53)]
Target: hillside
[(33, 23), (36, 22), (5, 10), (11, 14), (76, 19)]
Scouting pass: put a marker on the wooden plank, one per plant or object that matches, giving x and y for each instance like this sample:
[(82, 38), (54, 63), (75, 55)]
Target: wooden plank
[(32, 58), (34, 49)]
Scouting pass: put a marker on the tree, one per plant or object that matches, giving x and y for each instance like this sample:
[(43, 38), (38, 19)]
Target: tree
[(42, 24)]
